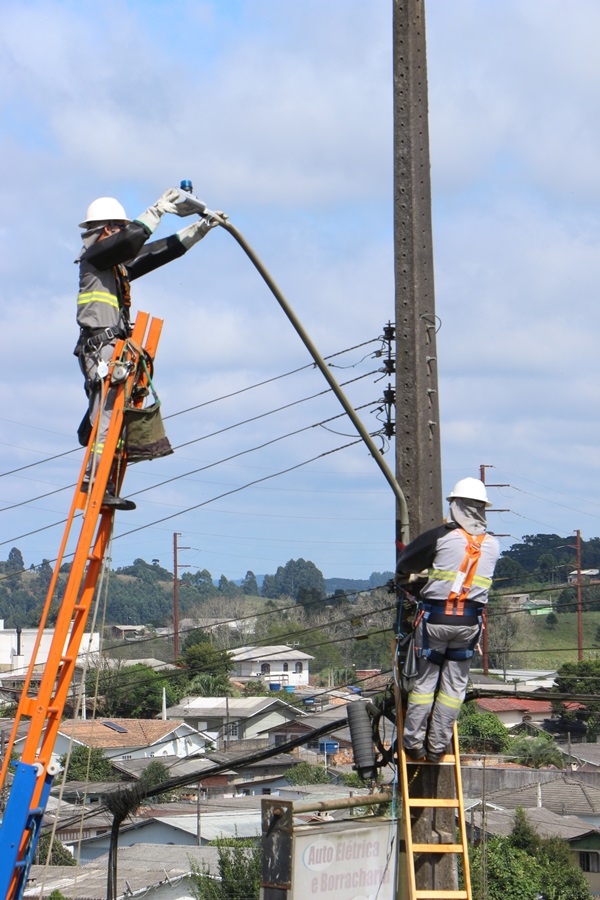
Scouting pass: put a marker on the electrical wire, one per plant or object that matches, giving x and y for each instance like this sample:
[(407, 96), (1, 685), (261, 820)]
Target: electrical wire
[(205, 403)]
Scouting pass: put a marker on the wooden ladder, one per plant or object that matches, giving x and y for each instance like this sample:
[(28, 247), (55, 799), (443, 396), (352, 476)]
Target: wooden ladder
[(409, 803)]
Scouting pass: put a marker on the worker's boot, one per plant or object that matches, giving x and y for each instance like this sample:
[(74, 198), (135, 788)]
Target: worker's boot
[(110, 499)]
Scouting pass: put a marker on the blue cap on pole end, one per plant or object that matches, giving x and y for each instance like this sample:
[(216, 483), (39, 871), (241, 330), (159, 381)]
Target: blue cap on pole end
[(186, 185)]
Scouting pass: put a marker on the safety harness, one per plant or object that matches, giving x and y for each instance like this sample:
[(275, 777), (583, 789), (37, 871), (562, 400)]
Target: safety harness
[(457, 610)]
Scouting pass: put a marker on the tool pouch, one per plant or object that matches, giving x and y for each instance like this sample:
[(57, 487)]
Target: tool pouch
[(145, 436)]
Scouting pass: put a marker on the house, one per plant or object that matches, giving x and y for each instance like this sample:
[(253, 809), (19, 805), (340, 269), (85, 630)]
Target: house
[(277, 664), (130, 738), (228, 719), (513, 711), (586, 575), (195, 828), (335, 743)]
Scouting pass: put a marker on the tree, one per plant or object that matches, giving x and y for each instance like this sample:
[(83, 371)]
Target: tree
[(250, 584), (228, 588), (304, 773), (87, 764), (525, 866), (536, 752), (481, 732), (582, 677), (202, 580), (508, 569), (45, 574), (551, 620), (210, 686), (239, 868), (132, 691), (59, 856), (291, 578), (15, 563), (206, 659), (155, 774)]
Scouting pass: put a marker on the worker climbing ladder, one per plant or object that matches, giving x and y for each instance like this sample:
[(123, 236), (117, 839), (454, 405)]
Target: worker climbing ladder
[(128, 381), (411, 804)]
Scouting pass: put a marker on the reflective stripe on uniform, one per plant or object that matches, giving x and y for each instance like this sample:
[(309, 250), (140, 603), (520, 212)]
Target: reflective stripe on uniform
[(440, 575), (447, 700), (413, 697), (98, 297)]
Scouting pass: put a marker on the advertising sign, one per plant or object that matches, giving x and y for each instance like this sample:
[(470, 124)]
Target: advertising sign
[(344, 861)]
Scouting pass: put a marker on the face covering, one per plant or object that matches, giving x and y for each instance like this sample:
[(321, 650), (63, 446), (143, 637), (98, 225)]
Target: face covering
[(89, 237), (469, 514)]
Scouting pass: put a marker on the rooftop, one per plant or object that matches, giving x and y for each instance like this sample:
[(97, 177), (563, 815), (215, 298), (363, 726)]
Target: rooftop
[(272, 651)]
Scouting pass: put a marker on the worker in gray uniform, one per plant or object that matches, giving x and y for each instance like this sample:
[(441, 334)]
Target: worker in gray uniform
[(450, 569), (114, 253)]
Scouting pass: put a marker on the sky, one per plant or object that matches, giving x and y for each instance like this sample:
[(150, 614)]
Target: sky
[(281, 115)]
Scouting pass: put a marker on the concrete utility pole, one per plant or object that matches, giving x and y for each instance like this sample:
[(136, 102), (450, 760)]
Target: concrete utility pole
[(418, 461), (418, 457)]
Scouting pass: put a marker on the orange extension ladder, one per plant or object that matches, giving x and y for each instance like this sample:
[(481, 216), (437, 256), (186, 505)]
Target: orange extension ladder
[(44, 707)]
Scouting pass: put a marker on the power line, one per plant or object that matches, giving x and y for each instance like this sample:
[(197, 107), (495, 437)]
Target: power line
[(200, 405)]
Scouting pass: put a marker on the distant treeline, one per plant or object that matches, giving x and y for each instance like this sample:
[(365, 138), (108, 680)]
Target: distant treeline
[(143, 591)]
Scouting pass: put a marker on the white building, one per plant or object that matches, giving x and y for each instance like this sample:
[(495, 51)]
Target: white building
[(16, 648), (276, 664)]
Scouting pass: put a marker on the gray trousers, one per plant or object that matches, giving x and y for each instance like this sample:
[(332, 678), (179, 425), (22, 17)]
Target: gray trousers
[(438, 691), (88, 363)]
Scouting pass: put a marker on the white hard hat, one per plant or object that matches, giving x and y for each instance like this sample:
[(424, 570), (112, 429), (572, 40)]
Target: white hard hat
[(469, 489), (104, 209)]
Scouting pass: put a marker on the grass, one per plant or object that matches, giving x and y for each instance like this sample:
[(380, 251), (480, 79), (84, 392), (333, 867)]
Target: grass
[(540, 646)]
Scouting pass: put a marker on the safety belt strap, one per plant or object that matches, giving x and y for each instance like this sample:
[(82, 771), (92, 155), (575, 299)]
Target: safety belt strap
[(455, 604)]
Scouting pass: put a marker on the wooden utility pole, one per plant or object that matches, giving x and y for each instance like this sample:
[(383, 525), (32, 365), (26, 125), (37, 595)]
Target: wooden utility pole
[(418, 456)]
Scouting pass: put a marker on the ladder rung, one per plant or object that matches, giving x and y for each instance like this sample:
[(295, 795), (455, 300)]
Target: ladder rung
[(438, 848), (441, 895), (443, 802)]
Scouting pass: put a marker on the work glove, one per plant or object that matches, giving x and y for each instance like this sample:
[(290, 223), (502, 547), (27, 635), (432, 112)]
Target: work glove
[(165, 204), (194, 233)]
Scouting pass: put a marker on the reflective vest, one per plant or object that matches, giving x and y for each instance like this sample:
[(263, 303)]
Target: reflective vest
[(462, 569)]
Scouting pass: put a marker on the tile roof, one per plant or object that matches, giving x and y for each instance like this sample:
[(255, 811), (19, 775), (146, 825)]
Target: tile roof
[(510, 704), (273, 651), (545, 822), (235, 707), (140, 867), (562, 795), (136, 732)]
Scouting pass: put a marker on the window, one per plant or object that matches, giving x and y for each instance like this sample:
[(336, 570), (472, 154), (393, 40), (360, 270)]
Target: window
[(265, 669), (285, 667), (299, 668), (231, 730), (589, 861)]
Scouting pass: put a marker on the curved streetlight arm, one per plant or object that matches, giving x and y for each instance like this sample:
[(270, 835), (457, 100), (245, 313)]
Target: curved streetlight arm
[(325, 370)]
